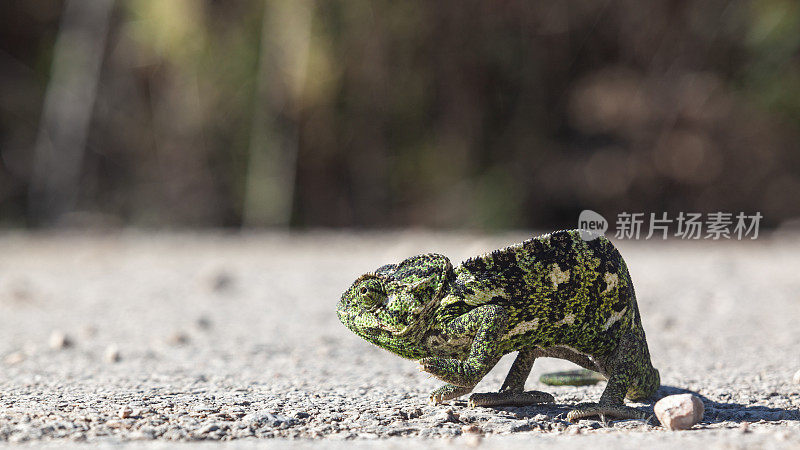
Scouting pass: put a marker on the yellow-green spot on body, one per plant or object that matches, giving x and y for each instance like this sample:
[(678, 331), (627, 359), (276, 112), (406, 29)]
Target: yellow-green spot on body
[(555, 295), (557, 276), (611, 280), (523, 327)]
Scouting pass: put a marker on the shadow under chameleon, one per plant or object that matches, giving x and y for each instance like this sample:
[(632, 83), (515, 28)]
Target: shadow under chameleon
[(715, 412)]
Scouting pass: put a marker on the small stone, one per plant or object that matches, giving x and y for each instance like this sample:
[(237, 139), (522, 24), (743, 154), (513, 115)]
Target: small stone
[(264, 418), (222, 281), (573, 430), (59, 340), (411, 413), (112, 354), (447, 416), (14, 358), (679, 412), (234, 412), (116, 424), (208, 428), (125, 412), (178, 338), (78, 436), (744, 427), (796, 377), (204, 409), (203, 323), (471, 429)]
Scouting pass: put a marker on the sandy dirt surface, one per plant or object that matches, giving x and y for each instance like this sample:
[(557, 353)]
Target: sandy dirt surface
[(145, 340)]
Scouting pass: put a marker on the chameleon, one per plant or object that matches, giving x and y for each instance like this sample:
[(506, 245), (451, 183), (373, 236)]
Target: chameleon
[(564, 295)]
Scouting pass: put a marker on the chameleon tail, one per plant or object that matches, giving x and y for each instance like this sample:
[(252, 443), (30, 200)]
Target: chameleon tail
[(582, 377)]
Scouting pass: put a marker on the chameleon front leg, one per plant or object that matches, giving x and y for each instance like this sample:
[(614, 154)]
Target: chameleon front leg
[(625, 365), (513, 390), (448, 392), (487, 324)]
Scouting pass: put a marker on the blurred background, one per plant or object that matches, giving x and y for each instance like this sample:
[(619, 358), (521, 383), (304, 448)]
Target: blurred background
[(446, 114)]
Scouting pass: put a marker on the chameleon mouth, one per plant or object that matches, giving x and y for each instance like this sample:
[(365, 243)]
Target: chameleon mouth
[(355, 323)]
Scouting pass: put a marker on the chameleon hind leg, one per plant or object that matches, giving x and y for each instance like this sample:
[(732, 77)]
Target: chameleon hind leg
[(513, 391), (624, 366)]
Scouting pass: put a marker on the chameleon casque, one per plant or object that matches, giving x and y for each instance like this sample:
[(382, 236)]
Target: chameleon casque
[(555, 295)]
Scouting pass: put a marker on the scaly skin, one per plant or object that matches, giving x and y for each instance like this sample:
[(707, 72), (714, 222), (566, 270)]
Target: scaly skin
[(555, 295)]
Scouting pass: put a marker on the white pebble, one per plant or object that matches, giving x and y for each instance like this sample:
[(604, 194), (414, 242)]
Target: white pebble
[(178, 338), (447, 416), (796, 377), (14, 358), (59, 340), (125, 412), (471, 429), (679, 412), (112, 354)]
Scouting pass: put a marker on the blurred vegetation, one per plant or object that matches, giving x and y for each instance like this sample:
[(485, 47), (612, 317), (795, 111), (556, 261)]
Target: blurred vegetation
[(390, 114)]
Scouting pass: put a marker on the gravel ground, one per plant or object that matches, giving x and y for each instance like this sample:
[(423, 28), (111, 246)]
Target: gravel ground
[(146, 340)]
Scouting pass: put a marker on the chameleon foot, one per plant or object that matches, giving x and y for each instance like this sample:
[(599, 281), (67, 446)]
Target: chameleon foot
[(595, 409), (507, 398), (448, 392)]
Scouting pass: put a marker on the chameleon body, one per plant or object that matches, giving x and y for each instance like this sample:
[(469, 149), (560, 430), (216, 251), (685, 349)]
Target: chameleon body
[(555, 295)]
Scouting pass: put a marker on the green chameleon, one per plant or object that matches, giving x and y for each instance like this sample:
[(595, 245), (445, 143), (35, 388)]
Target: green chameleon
[(555, 295)]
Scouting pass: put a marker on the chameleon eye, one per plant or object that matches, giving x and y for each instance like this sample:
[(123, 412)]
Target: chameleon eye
[(371, 294), (370, 301)]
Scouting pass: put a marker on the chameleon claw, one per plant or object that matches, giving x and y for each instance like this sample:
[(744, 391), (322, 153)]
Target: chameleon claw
[(605, 412), (507, 398)]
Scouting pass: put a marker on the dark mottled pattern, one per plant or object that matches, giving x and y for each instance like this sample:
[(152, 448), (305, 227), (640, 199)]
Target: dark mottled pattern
[(555, 295)]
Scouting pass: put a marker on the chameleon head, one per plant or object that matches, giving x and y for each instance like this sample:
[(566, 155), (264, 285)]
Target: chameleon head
[(392, 306), (365, 308)]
